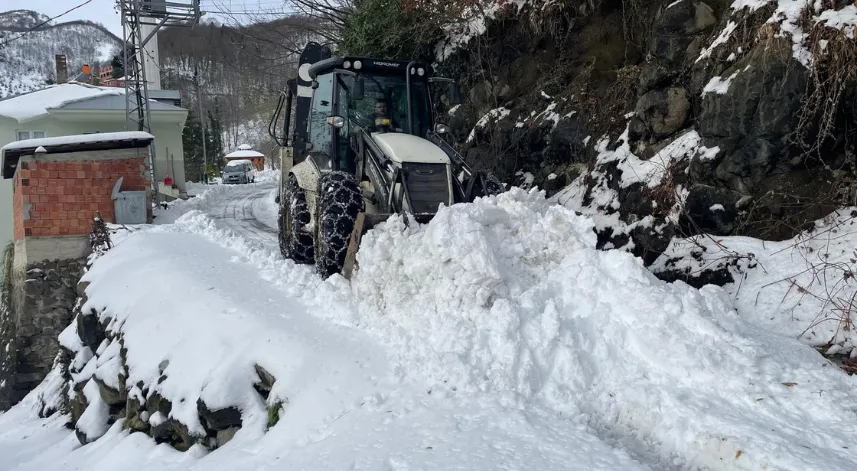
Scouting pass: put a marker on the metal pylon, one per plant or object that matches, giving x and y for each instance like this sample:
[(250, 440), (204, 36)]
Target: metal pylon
[(135, 14)]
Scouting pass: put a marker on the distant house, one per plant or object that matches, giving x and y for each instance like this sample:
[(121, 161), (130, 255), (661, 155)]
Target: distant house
[(245, 152), (78, 108)]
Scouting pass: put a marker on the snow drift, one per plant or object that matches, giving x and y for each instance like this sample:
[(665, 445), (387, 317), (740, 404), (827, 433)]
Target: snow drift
[(509, 295)]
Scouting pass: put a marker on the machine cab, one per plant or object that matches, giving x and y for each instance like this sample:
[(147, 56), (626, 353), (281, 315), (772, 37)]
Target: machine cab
[(357, 95)]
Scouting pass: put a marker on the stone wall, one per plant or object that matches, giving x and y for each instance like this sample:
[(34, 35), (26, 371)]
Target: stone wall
[(140, 406), (42, 302), (7, 331)]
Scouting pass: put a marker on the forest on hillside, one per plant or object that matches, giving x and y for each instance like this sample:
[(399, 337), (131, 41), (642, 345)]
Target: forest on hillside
[(241, 70)]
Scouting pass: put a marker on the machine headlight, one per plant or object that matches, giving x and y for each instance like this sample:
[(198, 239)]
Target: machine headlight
[(358, 65), (346, 64), (441, 128), (421, 71), (336, 121)]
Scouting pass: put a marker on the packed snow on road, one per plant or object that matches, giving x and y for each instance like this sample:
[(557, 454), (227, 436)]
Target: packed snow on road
[(494, 337)]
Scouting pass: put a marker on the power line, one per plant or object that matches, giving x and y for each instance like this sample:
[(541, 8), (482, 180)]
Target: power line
[(43, 23)]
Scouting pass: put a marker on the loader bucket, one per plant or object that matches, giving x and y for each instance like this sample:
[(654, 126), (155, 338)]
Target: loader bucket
[(362, 225)]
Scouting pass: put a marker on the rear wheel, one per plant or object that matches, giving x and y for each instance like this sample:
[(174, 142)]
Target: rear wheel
[(295, 241), (337, 205)]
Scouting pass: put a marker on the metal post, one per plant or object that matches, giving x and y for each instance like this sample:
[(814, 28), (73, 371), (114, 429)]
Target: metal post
[(408, 87)]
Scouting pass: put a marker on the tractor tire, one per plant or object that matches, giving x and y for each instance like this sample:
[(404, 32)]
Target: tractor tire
[(493, 185), (295, 243), (337, 205)]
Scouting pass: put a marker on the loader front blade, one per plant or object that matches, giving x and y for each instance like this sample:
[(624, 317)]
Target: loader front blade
[(362, 224)]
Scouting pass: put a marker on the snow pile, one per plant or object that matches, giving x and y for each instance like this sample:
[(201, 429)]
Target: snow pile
[(267, 175), (844, 19), (802, 288), (510, 296), (204, 315)]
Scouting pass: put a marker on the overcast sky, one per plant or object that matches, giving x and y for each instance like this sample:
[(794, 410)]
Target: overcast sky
[(103, 11)]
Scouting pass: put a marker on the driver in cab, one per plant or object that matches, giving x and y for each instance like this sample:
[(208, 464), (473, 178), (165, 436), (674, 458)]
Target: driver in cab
[(381, 120)]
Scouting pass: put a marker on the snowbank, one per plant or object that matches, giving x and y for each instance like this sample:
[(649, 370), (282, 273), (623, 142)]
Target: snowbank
[(802, 288), (509, 296)]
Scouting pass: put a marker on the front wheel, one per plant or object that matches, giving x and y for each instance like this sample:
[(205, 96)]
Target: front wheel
[(337, 205), (296, 242)]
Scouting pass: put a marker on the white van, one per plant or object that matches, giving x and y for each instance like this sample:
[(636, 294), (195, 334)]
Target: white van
[(239, 171)]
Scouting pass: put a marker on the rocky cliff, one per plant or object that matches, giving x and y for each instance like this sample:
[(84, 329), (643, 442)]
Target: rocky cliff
[(665, 118)]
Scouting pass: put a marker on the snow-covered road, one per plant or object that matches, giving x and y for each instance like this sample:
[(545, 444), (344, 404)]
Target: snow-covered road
[(249, 211)]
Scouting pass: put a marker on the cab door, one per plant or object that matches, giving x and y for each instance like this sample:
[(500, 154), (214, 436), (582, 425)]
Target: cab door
[(321, 134)]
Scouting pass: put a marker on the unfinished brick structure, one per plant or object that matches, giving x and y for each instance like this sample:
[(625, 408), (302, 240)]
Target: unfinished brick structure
[(60, 197), (59, 186)]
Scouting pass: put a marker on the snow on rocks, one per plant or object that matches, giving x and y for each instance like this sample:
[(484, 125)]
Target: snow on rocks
[(719, 85), (788, 17), (491, 116)]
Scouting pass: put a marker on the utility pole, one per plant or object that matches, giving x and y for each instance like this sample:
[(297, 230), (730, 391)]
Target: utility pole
[(153, 15), (201, 120)]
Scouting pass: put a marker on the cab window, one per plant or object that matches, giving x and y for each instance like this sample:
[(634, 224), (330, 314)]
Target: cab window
[(321, 133)]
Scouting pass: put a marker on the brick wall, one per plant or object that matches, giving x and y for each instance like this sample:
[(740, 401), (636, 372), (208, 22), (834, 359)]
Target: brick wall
[(62, 196)]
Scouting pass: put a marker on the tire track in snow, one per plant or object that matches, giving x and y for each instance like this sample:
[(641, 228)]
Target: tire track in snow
[(233, 210)]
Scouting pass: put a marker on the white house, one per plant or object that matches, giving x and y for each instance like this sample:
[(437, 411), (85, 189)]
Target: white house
[(78, 108)]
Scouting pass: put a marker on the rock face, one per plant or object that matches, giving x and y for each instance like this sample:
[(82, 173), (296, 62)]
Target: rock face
[(43, 297), (658, 70), (664, 111)]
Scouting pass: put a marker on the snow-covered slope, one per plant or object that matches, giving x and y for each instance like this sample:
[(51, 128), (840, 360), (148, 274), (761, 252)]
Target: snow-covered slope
[(494, 337), (29, 55)]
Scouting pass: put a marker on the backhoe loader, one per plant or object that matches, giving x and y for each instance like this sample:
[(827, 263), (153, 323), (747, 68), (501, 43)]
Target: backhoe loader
[(359, 143)]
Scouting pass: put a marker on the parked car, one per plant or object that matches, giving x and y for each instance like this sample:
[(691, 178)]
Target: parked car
[(239, 171)]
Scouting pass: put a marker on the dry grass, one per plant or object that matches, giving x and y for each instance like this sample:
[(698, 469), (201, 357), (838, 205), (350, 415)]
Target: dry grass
[(833, 78)]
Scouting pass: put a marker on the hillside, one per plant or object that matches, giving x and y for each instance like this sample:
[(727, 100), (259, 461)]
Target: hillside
[(28, 56), (649, 113)]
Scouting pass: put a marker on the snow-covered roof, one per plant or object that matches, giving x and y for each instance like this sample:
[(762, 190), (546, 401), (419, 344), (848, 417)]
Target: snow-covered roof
[(243, 154), (115, 102), (78, 139), (31, 105), (11, 153)]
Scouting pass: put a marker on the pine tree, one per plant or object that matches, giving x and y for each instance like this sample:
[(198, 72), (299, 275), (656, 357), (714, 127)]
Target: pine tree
[(214, 139), (192, 143), (118, 67)]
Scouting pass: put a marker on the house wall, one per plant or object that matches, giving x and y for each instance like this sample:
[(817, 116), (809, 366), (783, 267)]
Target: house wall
[(5, 189), (169, 151)]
